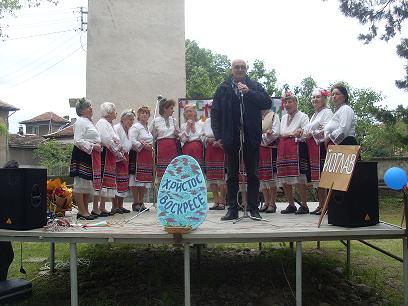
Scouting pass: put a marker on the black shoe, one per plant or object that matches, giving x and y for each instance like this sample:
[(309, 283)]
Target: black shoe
[(317, 211), (232, 214), (255, 214), (289, 210), (89, 217), (302, 210), (124, 210)]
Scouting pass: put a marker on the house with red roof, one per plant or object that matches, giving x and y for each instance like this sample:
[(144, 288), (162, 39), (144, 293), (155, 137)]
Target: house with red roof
[(44, 124)]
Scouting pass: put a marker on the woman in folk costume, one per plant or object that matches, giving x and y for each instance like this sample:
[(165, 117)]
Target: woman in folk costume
[(341, 129), (292, 162), (314, 135), (165, 132), (122, 167), (214, 167), (267, 160), (111, 153), (85, 164), (142, 144), (191, 133)]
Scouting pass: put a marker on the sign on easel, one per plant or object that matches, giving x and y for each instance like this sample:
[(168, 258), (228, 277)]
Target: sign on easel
[(338, 167), (337, 171)]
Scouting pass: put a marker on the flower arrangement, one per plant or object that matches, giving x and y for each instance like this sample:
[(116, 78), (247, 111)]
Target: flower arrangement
[(59, 197)]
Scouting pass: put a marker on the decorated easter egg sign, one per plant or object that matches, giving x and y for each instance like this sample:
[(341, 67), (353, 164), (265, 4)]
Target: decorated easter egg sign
[(182, 197)]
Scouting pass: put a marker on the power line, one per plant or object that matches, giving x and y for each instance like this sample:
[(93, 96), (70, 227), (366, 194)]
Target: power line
[(36, 35), (29, 63), (44, 23), (48, 68)]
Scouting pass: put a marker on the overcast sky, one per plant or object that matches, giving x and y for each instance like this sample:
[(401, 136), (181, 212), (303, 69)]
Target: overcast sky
[(297, 38)]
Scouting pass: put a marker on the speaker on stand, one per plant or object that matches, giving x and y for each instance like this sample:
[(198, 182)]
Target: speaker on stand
[(359, 205), (23, 198)]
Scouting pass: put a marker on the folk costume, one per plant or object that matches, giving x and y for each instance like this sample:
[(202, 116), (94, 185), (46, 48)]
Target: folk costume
[(268, 150), (143, 158), (316, 147), (341, 129), (292, 160), (214, 157), (111, 154), (191, 139), (122, 166), (85, 164), (164, 131)]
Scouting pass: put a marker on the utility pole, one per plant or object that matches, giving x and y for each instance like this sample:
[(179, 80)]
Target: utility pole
[(84, 19)]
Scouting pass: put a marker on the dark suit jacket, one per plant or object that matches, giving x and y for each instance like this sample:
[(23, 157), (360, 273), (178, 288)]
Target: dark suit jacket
[(222, 113)]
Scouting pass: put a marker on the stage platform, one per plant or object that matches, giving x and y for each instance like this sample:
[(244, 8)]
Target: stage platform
[(128, 228)]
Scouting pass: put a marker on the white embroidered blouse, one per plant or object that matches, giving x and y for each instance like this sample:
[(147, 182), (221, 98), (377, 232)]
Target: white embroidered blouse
[(163, 128), (85, 135), (290, 124), (109, 138), (341, 125), (187, 134), (124, 138), (317, 123), (138, 133)]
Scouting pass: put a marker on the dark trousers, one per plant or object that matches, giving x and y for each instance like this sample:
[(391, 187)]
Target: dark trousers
[(251, 158), (6, 258)]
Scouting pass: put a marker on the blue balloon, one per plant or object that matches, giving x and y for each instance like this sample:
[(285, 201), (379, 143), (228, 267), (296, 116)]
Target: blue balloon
[(395, 178)]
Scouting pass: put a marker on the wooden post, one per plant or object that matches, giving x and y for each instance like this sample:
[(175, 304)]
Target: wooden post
[(325, 206)]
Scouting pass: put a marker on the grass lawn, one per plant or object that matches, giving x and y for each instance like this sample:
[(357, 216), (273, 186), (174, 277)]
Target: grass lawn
[(153, 275)]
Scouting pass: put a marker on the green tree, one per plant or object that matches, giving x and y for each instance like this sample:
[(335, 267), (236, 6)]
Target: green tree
[(383, 18), (3, 129), (9, 7), (304, 94), (54, 156), (267, 78), (205, 70)]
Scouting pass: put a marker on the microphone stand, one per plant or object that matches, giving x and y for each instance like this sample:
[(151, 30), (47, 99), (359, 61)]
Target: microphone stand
[(241, 160)]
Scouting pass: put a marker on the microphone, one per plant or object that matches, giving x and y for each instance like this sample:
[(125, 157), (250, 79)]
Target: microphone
[(237, 87)]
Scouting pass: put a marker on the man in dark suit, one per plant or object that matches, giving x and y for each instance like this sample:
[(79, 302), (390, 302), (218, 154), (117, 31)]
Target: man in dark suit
[(226, 124)]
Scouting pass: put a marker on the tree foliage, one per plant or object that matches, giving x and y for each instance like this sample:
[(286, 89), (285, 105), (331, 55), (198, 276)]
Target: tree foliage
[(3, 129), (54, 156), (206, 70), (383, 18), (381, 132), (267, 78), (9, 7)]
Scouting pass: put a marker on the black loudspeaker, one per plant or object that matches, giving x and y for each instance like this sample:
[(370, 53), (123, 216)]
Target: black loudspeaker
[(23, 198), (359, 205)]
